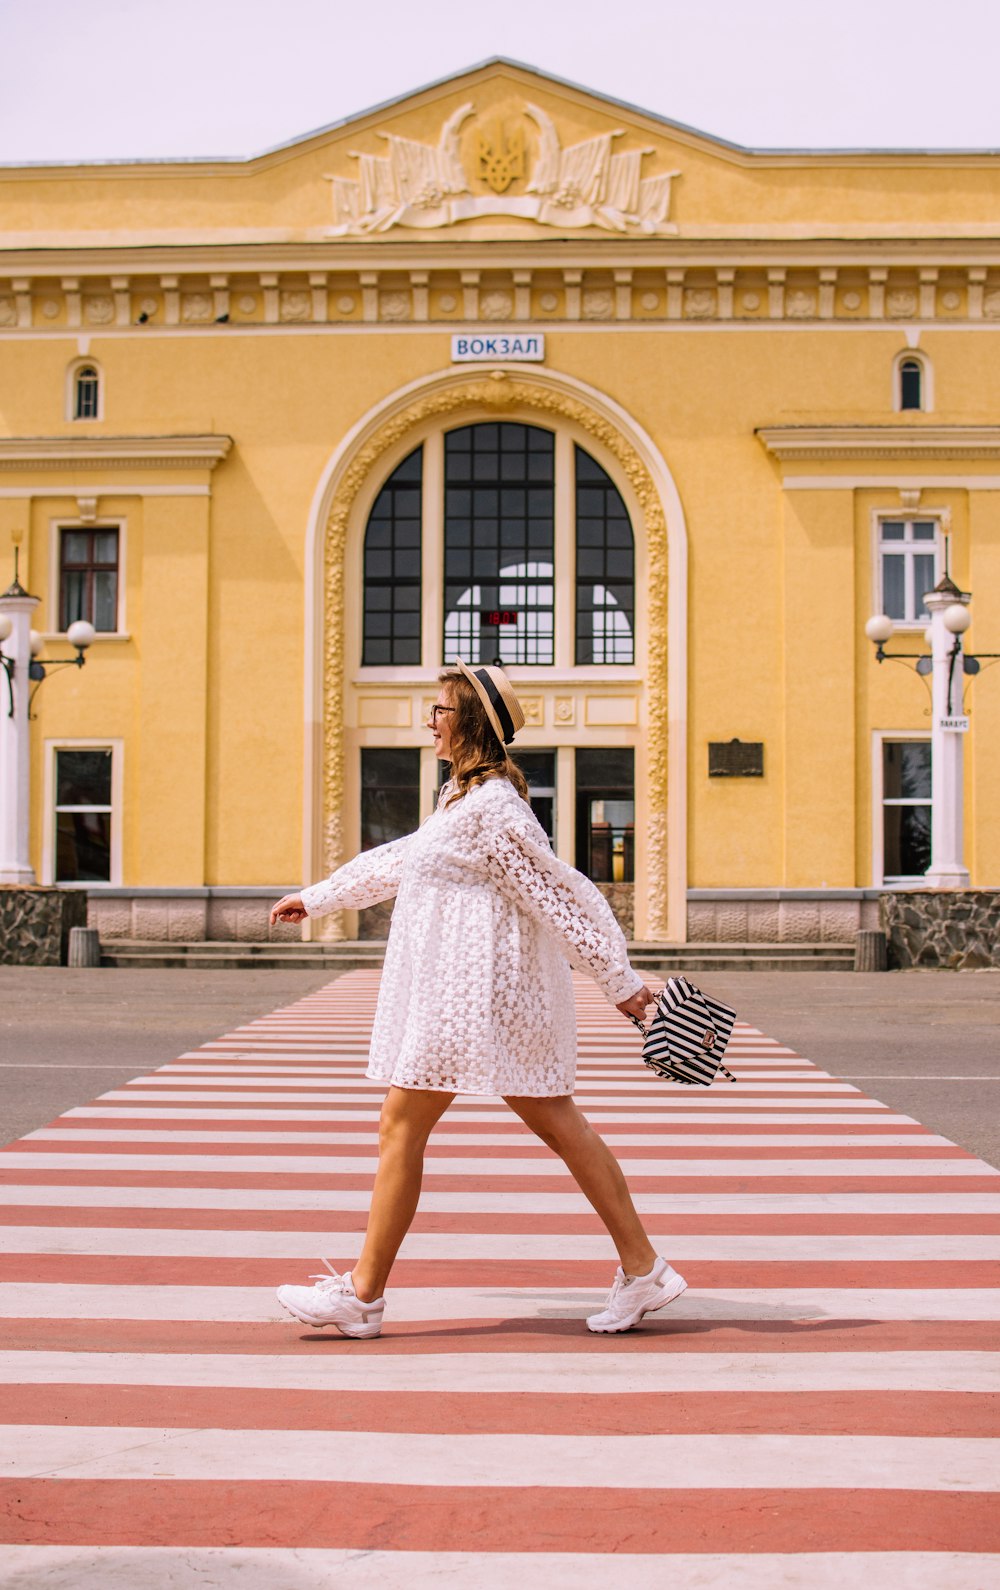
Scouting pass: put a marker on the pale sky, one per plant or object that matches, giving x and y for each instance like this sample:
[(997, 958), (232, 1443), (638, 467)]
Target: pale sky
[(112, 79)]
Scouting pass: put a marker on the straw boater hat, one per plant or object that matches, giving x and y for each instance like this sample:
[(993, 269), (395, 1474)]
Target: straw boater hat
[(499, 701)]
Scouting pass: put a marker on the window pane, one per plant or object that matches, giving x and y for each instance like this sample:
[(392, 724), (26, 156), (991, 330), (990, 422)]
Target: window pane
[(106, 547), (75, 547), (910, 384), (906, 769), (605, 815), (73, 599), (83, 847), (392, 568), (893, 530), (604, 554), (907, 841), (923, 581), (83, 778), (105, 600), (894, 586), (86, 395), (499, 544), (924, 531), (390, 794)]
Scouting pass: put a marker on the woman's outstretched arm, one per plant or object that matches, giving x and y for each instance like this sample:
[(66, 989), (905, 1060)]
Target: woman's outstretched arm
[(371, 877)]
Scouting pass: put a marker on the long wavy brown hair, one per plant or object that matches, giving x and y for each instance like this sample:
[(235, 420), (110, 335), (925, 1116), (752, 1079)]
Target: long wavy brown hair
[(476, 753)]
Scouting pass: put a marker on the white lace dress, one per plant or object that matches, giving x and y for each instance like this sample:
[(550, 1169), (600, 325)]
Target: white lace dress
[(476, 994)]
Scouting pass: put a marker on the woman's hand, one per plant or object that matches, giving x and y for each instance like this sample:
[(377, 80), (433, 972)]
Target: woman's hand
[(636, 1006), (289, 909)]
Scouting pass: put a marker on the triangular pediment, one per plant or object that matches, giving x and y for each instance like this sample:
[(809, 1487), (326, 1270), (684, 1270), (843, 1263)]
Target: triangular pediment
[(500, 142)]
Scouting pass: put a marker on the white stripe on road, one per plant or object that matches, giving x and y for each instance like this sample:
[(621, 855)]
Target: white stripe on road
[(490, 1169), (649, 1462), (516, 1139), (162, 1110), (857, 1205), (678, 1098), (304, 1567), (51, 1300), (514, 1373), (129, 1241)]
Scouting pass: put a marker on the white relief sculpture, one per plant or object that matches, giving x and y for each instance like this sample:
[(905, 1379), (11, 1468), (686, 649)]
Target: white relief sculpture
[(8, 312), (394, 305), (901, 302), (425, 185), (699, 303), (598, 303), (800, 304), (196, 309), (991, 303), (296, 304), (98, 311), (495, 305)]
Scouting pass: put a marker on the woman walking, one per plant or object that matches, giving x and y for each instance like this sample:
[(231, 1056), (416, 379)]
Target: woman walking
[(476, 997)]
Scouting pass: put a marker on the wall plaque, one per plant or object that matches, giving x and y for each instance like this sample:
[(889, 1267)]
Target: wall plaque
[(735, 759)]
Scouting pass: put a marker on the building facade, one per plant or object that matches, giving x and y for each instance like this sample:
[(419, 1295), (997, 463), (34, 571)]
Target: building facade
[(508, 370)]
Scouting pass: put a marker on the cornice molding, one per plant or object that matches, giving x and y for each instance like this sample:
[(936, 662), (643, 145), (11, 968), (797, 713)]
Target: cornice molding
[(793, 443), (122, 452)]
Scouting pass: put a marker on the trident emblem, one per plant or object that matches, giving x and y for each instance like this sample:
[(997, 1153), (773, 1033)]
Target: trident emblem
[(501, 155)]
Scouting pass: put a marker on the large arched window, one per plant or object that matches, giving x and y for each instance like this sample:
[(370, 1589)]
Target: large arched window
[(392, 568), (526, 548)]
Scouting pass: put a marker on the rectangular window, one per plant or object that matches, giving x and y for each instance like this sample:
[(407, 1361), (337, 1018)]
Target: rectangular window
[(390, 794), (539, 768), (906, 809), (908, 553), (83, 815), (605, 815), (499, 530), (88, 578)]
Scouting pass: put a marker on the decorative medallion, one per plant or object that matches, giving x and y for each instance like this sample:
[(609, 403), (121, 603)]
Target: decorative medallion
[(345, 305), (496, 305), (296, 304), (901, 302), (196, 309), (99, 311), (800, 305)]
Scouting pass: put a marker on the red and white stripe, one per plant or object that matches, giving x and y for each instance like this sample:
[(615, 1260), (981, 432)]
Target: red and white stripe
[(817, 1410)]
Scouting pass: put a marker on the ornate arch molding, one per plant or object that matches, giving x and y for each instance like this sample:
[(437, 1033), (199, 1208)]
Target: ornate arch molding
[(525, 391)]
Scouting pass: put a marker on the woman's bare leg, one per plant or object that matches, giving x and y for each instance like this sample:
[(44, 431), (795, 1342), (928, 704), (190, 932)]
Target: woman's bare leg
[(409, 1115), (596, 1172)]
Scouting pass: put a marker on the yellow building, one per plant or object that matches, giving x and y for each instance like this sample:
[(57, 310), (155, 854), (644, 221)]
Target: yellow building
[(514, 370)]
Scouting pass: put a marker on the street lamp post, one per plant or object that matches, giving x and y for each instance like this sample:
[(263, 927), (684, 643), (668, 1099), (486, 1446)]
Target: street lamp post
[(947, 666), (23, 669)]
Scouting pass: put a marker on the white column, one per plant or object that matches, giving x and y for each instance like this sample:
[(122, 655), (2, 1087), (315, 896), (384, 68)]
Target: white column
[(15, 751), (947, 869)]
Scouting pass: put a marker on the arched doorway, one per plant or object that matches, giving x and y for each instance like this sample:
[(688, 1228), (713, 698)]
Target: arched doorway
[(567, 648)]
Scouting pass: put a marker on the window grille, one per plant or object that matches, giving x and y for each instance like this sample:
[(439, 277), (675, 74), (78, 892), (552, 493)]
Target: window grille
[(392, 568)]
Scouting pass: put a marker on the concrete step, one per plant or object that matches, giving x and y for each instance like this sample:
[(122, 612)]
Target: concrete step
[(660, 960)]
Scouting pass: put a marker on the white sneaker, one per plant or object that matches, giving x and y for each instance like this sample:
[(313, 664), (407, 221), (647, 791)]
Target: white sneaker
[(333, 1301), (632, 1296)]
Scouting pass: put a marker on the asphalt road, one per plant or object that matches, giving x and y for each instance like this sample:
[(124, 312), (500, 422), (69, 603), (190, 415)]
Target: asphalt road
[(925, 1043)]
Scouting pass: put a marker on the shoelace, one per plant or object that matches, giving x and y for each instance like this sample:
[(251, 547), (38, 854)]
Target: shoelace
[(329, 1283), (620, 1283)]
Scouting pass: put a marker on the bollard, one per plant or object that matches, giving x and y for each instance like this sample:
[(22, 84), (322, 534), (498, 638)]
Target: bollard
[(870, 951), (84, 947)]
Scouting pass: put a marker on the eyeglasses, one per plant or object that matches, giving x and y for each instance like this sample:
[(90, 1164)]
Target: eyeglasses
[(434, 713)]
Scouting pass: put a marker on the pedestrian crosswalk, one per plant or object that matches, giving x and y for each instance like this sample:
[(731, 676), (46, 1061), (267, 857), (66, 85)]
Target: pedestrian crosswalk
[(819, 1409)]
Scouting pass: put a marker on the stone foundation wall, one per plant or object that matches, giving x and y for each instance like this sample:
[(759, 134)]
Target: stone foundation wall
[(954, 928), (780, 916), (35, 924), (189, 916)]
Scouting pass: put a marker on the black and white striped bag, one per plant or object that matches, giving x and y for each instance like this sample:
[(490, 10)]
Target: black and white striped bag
[(688, 1035)]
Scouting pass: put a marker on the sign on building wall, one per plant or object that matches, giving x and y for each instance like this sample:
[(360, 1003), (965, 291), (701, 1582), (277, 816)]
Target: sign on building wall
[(487, 349)]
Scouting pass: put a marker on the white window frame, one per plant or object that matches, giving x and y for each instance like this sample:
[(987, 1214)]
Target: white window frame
[(103, 522), (104, 743), (879, 738), (72, 372), (938, 517), (926, 381)]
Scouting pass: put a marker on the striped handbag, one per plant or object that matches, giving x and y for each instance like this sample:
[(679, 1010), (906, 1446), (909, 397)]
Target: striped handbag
[(687, 1037)]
